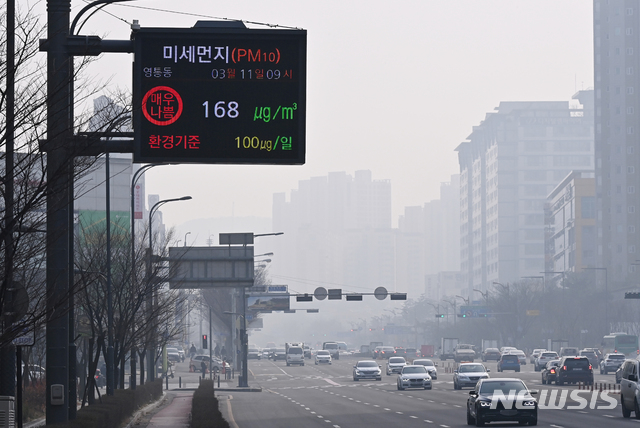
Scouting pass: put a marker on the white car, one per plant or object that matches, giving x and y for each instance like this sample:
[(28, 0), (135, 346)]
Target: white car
[(535, 354), (544, 358), (522, 357), (395, 365), (429, 365), (414, 376), (323, 357)]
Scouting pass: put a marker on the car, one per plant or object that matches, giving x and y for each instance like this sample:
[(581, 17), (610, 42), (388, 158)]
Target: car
[(412, 352), (400, 351), (549, 372), (101, 380), (491, 354), (323, 357), (611, 362), (522, 357), (173, 355), (254, 354), (395, 365), (481, 409), (629, 388), (430, 366), (279, 354), (544, 358), (535, 354), (591, 355), (597, 352), (414, 376), (307, 351), (195, 364), (385, 352), (367, 369), (508, 362), (468, 374), (506, 349), (574, 370), (464, 352)]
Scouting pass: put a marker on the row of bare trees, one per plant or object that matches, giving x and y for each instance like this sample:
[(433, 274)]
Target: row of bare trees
[(135, 326)]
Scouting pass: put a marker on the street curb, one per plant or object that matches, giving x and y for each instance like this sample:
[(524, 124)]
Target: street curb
[(145, 410)]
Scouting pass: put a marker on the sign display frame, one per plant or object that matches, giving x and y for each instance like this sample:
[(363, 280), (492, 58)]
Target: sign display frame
[(219, 95)]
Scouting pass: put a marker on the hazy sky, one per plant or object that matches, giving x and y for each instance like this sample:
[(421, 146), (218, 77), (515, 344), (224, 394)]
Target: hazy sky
[(393, 87)]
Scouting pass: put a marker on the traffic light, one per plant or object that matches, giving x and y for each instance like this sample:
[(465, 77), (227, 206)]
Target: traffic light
[(439, 315), (632, 295), (204, 341), (462, 315)]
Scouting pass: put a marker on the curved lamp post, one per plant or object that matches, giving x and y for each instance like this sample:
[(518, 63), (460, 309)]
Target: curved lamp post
[(150, 353)]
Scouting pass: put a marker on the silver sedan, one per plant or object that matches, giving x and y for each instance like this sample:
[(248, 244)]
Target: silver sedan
[(414, 377)]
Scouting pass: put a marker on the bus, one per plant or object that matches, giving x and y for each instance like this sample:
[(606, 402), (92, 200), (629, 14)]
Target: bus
[(621, 343)]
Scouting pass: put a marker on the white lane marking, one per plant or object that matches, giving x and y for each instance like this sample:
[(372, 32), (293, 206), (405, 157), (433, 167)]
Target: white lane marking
[(331, 382), (428, 421), (320, 416), (413, 417), (387, 409), (582, 411), (444, 426), (556, 426), (375, 405), (608, 416)]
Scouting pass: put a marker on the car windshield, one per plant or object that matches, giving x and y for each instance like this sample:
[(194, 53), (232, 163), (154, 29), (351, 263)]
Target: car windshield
[(280, 350), (319, 353), (617, 357), (295, 350), (553, 363), (549, 354), (396, 360), (475, 368), (509, 358), (504, 385), (424, 362), (414, 370), (331, 346), (367, 364)]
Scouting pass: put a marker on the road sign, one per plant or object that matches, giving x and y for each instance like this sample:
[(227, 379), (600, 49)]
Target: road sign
[(380, 293), (320, 293), (219, 95)]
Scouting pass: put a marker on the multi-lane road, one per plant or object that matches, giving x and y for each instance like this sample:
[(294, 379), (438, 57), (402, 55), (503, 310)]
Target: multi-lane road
[(326, 396)]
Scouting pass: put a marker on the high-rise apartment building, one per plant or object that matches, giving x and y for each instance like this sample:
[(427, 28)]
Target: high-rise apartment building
[(616, 31), (511, 162), (337, 230)]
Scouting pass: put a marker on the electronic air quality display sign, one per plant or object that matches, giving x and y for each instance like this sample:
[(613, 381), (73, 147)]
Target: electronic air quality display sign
[(220, 95)]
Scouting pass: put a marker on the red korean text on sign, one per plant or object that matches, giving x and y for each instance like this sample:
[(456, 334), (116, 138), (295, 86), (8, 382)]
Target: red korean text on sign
[(162, 105)]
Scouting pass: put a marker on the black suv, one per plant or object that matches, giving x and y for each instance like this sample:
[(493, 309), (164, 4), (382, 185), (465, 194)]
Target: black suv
[(573, 370)]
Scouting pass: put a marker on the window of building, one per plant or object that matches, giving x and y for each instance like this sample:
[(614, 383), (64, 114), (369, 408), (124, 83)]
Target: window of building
[(630, 150), (632, 249), (629, 11), (630, 90), (630, 130), (631, 209), (631, 169), (630, 110), (629, 51), (631, 229), (629, 71), (629, 31), (631, 189)]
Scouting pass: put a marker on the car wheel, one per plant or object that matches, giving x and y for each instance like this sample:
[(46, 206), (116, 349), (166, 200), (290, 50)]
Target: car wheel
[(606, 371), (355, 379), (379, 379), (559, 382), (533, 422), (316, 363), (470, 419), (427, 387), (455, 385), (479, 423), (544, 382), (400, 388), (625, 413), (518, 370), (601, 372), (302, 364), (636, 408)]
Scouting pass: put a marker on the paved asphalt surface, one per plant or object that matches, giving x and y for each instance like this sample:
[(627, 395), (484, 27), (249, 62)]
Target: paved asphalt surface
[(326, 396)]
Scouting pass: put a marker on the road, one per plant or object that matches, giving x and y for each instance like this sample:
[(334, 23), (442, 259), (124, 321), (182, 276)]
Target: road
[(326, 396)]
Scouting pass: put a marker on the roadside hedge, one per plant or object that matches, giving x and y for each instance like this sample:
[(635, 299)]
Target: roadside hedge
[(204, 408), (114, 410)]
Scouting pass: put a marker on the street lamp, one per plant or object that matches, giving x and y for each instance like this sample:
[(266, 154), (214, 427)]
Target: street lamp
[(134, 180), (151, 352), (485, 295), (185, 238)]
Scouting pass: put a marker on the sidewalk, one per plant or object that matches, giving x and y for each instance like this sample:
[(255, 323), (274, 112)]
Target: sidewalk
[(174, 408)]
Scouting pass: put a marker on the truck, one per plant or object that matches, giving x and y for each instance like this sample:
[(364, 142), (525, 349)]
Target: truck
[(557, 344), (489, 343), (447, 347), (294, 353), (427, 350), (464, 352)]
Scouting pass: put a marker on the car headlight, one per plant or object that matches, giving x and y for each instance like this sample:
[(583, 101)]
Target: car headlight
[(378, 371), (463, 377), (529, 403), (485, 403)]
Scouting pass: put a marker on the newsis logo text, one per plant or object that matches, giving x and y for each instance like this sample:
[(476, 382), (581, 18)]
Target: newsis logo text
[(556, 399)]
